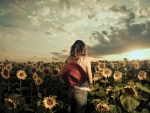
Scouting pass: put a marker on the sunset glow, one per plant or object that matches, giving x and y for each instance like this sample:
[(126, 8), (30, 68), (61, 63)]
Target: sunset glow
[(138, 54)]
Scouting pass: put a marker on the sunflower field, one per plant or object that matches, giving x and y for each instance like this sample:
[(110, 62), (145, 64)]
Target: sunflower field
[(36, 87)]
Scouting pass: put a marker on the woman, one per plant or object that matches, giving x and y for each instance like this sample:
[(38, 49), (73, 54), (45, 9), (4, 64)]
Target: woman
[(78, 94)]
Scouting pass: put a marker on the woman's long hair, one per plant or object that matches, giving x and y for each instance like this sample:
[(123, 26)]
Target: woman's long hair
[(78, 49)]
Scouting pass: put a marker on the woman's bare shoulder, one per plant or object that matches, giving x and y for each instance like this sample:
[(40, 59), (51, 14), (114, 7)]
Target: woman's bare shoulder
[(86, 58)]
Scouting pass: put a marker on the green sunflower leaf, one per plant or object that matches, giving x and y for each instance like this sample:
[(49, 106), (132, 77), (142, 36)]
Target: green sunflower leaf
[(145, 110), (129, 103), (115, 109), (142, 87)]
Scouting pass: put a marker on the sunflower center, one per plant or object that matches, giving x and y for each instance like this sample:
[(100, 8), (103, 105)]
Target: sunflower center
[(117, 74), (8, 67), (97, 75), (106, 71), (55, 72), (10, 105), (46, 71), (21, 74), (33, 70), (141, 74), (129, 91), (49, 102), (5, 72), (101, 66)]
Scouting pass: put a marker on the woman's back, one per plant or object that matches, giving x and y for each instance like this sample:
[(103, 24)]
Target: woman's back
[(84, 62)]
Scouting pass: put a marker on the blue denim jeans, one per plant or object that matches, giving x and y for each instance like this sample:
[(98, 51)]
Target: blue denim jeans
[(78, 98)]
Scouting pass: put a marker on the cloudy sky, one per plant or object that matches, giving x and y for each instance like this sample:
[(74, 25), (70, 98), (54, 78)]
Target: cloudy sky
[(35, 30)]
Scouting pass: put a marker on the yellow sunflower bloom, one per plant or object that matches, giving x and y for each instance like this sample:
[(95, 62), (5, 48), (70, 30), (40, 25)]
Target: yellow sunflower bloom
[(112, 65), (46, 71), (21, 74), (102, 107), (136, 65), (55, 72), (107, 72), (9, 103), (97, 76), (38, 81), (49, 102), (142, 75), (34, 64), (34, 76), (117, 75), (5, 73), (9, 67), (101, 66), (131, 83)]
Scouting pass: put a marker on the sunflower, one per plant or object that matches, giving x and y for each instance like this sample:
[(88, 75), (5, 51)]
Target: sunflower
[(21, 74), (112, 65), (55, 72), (108, 90), (131, 83), (117, 75), (136, 65), (148, 64), (5, 73), (26, 69), (49, 102), (102, 107), (34, 76), (101, 66), (97, 76), (9, 103), (9, 67), (38, 81), (1, 64), (33, 70), (142, 75), (107, 72), (46, 71), (129, 91), (34, 64)]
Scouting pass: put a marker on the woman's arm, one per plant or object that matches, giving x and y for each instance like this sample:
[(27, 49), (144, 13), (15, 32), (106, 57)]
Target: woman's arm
[(89, 72)]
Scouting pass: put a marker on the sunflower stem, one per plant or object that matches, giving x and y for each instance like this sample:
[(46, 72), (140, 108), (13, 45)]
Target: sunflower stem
[(45, 91), (105, 82), (115, 104), (20, 87), (8, 85), (37, 91), (31, 92), (140, 81), (50, 110)]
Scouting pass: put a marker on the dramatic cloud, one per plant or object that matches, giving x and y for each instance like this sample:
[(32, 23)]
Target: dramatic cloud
[(47, 29)]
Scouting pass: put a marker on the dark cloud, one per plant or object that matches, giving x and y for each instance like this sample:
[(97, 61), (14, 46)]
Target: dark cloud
[(4, 49), (59, 54), (7, 24), (122, 9), (64, 50), (48, 33), (136, 36), (104, 32), (90, 16), (55, 58), (100, 37), (55, 53)]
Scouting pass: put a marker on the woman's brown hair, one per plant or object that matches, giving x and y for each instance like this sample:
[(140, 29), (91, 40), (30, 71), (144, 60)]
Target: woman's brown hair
[(77, 50)]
